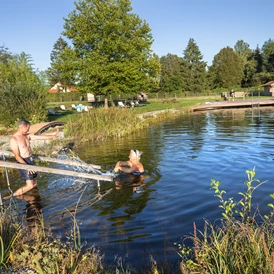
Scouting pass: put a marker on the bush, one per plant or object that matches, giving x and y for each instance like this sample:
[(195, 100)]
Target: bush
[(23, 94)]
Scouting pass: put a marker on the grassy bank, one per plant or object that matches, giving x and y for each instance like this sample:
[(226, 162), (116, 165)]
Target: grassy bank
[(114, 122)]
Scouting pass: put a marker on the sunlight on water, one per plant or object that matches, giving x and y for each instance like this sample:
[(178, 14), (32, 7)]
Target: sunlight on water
[(136, 219)]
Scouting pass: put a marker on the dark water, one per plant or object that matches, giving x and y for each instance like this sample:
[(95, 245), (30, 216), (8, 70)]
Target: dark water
[(181, 157)]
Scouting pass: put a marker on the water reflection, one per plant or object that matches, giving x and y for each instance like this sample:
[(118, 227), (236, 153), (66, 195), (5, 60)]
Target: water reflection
[(33, 209), (181, 157)]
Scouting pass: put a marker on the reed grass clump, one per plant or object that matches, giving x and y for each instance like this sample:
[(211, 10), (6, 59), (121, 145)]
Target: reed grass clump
[(101, 123), (239, 244)]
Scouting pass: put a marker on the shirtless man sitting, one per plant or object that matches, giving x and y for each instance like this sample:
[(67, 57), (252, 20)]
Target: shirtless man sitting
[(20, 146)]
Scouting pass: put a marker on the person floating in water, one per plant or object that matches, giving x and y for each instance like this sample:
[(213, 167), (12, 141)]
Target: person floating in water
[(133, 166)]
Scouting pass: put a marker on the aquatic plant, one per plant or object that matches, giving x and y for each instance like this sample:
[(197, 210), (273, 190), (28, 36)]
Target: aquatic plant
[(9, 233), (239, 244)]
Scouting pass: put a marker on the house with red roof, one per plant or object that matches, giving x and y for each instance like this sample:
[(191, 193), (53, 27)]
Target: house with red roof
[(59, 87)]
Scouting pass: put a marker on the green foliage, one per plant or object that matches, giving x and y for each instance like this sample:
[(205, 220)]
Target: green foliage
[(244, 207), (21, 90), (58, 71), (235, 246), (268, 56), (226, 70), (105, 123), (171, 75), (111, 48), (193, 68), (9, 233)]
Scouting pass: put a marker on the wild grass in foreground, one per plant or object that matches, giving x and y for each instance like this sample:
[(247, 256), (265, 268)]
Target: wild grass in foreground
[(238, 245), (34, 249)]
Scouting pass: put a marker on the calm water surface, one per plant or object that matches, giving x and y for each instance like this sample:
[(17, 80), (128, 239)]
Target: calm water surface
[(181, 157)]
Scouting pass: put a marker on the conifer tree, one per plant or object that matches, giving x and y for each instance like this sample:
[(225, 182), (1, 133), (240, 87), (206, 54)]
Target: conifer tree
[(193, 68), (57, 72)]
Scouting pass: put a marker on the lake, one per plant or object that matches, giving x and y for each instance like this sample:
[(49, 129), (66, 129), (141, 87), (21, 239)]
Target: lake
[(135, 222)]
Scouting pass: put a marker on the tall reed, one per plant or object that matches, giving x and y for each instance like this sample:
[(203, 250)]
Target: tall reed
[(99, 124)]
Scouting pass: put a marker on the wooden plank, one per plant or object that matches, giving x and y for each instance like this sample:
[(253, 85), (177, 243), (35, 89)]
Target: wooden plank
[(54, 160), (57, 171)]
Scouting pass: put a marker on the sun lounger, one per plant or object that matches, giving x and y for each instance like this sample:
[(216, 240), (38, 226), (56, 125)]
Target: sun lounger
[(51, 111)]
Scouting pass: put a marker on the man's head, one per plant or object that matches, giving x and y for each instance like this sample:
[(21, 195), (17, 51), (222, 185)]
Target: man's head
[(24, 126)]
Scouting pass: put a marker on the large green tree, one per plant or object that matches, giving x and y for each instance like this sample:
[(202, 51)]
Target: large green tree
[(171, 75), (226, 70), (111, 50), (268, 55), (59, 70), (193, 68), (249, 64), (22, 92)]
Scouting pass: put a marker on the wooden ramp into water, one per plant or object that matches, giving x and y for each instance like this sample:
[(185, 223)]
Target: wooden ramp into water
[(248, 103), (99, 176)]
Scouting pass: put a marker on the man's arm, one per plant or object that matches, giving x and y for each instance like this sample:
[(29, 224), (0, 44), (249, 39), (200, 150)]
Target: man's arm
[(15, 150)]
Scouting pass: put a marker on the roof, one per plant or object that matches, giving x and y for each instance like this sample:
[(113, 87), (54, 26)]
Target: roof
[(271, 83), (60, 87)]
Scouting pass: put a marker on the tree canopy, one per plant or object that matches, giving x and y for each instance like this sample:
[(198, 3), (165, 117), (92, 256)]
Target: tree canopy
[(22, 92), (226, 69), (58, 72), (110, 48), (171, 75)]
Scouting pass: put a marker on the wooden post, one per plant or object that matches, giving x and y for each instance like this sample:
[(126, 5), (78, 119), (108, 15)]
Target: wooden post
[(57, 171)]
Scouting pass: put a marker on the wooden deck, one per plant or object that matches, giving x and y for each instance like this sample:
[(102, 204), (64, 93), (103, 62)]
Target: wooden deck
[(248, 103), (39, 128)]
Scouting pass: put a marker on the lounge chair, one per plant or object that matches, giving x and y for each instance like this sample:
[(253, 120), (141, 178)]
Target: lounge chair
[(121, 105), (51, 111)]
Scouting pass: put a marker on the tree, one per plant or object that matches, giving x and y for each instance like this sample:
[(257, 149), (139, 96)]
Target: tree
[(171, 76), (248, 63), (5, 55), (58, 70), (193, 68), (243, 50), (268, 55), (111, 50), (22, 93), (226, 70)]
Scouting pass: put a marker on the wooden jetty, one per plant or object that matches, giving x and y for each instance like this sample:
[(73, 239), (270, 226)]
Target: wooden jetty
[(248, 103)]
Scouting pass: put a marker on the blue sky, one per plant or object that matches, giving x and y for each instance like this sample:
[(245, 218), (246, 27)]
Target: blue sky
[(33, 26)]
